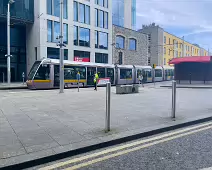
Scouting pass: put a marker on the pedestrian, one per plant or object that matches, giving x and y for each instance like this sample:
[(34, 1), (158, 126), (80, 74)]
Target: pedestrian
[(95, 80), (140, 79)]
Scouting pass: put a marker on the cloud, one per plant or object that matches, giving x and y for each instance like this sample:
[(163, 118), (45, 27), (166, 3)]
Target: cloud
[(189, 18)]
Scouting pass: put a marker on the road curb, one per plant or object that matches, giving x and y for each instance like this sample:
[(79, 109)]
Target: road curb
[(12, 88), (187, 87), (75, 152)]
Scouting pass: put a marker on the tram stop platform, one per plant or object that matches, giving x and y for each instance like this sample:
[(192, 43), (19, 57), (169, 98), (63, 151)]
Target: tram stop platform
[(18, 85), (193, 86), (35, 125)]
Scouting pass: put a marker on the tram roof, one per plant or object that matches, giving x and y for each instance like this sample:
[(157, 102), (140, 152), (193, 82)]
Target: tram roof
[(143, 67), (67, 62), (168, 67)]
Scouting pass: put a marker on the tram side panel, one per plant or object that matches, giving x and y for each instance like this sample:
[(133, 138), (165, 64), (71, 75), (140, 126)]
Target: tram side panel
[(125, 76)]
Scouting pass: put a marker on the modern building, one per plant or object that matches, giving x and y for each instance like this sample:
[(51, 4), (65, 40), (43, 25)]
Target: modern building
[(87, 26), (129, 46), (164, 46), (22, 17), (124, 13), (35, 26)]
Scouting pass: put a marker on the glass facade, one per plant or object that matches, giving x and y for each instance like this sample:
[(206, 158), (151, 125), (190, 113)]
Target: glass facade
[(81, 36), (101, 58), (81, 13), (103, 3), (101, 40), (54, 53), (21, 10), (101, 19), (118, 12)]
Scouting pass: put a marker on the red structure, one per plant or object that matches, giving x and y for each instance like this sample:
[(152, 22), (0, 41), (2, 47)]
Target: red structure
[(193, 69)]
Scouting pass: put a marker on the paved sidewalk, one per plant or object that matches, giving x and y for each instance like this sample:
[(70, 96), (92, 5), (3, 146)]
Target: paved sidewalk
[(35, 124)]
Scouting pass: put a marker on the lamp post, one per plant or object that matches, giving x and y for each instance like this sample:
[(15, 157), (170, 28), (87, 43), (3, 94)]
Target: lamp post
[(8, 41)]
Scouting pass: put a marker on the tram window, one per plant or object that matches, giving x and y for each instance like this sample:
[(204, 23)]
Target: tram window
[(42, 73), (101, 72), (70, 72), (33, 70), (158, 73), (110, 74), (149, 73), (125, 73), (139, 72)]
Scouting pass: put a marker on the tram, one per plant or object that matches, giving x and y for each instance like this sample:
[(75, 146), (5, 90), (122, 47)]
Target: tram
[(44, 74)]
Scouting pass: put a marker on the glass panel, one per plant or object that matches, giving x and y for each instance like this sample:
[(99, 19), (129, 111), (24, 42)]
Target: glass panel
[(106, 20), (103, 40), (65, 9), (120, 42), (87, 14), (101, 2), (49, 27), (96, 39), (96, 17), (106, 3), (65, 33), (81, 13), (57, 8), (42, 73), (101, 19), (139, 72), (158, 73), (110, 74), (84, 37), (132, 44), (49, 7), (54, 53), (125, 73), (101, 72), (118, 12), (75, 11), (56, 30), (75, 35), (33, 70), (70, 72), (101, 58)]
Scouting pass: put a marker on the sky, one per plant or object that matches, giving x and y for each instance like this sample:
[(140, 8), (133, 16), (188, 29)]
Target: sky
[(189, 18)]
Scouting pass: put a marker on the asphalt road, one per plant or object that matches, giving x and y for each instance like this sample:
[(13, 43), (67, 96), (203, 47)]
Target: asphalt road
[(188, 148)]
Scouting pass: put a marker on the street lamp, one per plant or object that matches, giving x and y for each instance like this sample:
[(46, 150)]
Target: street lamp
[(8, 41)]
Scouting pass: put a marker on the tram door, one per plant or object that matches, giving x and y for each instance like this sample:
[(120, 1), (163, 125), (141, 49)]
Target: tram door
[(56, 76), (145, 76), (90, 75)]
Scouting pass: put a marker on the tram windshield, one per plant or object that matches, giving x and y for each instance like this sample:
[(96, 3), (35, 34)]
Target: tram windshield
[(33, 69)]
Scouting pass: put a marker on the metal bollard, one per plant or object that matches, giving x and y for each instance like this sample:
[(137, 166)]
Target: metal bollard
[(107, 119), (3, 77), (173, 98), (78, 85)]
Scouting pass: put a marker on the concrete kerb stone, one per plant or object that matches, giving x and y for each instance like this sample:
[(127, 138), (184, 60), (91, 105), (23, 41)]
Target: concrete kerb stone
[(74, 152)]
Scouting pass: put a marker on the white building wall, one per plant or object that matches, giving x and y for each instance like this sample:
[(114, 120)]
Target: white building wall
[(37, 33)]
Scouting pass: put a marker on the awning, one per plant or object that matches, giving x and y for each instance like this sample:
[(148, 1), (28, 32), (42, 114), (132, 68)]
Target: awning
[(197, 59)]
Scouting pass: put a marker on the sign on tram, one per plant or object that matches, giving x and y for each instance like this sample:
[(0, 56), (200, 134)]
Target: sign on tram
[(103, 81)]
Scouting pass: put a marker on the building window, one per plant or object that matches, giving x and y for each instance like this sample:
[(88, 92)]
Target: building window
[(169, 51), (75, 35), (81, 13), (164, 50), (103, 3), (49, 27), (164, 39), (54, 31), (75, 11), (53, 8), (179, 54), (101, 40), (49, 7), (81, 36), (132, 44), (101, 19), (101, 58), (120, 42), (54, 53), (82, 56), (188, 48), (164, 61), (65, 33), (149, 49), (169, 41)]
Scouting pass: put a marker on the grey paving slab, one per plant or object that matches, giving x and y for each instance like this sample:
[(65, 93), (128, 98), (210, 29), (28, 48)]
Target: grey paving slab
[(37, 121)]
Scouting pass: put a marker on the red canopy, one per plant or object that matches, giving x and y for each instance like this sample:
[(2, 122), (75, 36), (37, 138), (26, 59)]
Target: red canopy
[(198, 59)]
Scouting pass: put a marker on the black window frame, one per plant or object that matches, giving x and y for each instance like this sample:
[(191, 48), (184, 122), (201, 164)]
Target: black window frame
[(97, 39), (78, 37)]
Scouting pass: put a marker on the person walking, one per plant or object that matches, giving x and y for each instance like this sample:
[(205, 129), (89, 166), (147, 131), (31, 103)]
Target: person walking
[(140, 79), (95, 80)]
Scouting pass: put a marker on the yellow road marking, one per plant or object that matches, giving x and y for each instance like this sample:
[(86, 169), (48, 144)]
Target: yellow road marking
[(60, 164), (133, 149)]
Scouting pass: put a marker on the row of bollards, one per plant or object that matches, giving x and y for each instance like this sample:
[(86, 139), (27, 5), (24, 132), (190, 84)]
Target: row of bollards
[(108, 102)]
